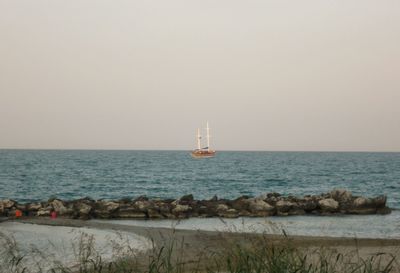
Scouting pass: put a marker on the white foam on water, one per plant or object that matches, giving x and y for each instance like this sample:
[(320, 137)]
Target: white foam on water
[(352, 226), (39, 242)]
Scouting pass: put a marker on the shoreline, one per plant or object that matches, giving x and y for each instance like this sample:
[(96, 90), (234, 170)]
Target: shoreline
[(191, 245), (154, 231)]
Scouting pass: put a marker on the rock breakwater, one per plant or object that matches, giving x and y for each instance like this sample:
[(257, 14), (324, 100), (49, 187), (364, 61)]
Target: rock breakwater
[(338, 201)]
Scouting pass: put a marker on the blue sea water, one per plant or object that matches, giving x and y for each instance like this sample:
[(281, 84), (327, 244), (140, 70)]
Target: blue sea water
[(32, 175)]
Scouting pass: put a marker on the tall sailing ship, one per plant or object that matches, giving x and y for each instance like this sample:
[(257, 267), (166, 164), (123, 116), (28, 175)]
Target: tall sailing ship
[(205, 152)]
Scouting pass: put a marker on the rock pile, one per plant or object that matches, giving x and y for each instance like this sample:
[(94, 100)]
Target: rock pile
[(269, 204)]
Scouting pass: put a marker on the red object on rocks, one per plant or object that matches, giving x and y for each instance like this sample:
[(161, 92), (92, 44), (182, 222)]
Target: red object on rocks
[(53, 215), (18, 213)]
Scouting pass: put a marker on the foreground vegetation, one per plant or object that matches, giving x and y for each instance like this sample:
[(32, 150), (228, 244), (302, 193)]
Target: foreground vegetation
[(257, 256)]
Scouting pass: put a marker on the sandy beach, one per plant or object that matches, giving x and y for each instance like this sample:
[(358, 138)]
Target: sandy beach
[(192, 244)]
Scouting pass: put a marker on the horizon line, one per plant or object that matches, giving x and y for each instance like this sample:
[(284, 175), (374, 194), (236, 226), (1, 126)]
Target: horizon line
[(188, 150)]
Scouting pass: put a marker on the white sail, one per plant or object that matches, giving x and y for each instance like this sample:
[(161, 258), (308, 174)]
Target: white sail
[(203, 152), (198, 139), (208, 137)]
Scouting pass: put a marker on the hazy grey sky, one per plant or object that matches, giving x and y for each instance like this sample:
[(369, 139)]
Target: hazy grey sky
[(142, 74)]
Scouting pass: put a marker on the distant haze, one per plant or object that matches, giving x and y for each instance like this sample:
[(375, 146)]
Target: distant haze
[(144, 74)]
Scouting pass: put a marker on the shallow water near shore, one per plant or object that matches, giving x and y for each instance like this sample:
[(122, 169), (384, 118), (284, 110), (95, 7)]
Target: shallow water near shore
[(355, 226), (39, 242)]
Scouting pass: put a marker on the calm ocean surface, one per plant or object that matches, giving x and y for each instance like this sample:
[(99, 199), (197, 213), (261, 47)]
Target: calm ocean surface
[(28, 175), (31, 175)]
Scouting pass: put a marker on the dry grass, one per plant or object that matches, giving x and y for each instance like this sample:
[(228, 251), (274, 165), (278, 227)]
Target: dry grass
[(258, 255)]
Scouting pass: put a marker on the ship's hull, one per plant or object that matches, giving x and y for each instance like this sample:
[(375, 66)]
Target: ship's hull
[(202, 154)]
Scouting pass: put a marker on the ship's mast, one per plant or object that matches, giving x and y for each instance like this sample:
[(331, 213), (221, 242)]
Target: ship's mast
[(208, 137), (198, 139)]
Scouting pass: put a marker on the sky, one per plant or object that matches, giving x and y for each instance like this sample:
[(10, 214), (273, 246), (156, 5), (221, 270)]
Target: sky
[(272, 75)]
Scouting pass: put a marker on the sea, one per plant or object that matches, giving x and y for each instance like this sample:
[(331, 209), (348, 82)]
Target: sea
[(35, 175)]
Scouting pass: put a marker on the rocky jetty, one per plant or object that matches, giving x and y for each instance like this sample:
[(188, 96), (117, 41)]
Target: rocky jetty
[(270, 204)]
